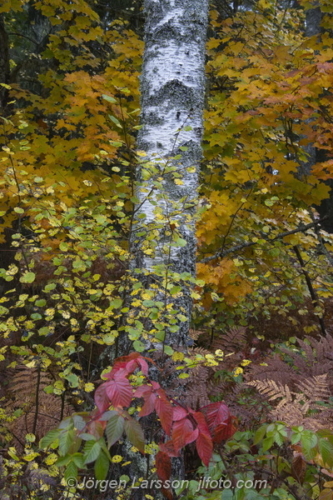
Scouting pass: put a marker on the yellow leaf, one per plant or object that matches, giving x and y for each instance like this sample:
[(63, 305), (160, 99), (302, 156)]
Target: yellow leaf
[(89, 387)]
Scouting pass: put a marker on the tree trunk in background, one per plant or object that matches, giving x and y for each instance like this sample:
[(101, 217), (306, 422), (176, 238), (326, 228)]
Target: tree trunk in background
[(6, 253), (173, 88), (313, 28), (4, 64), (312, 21)]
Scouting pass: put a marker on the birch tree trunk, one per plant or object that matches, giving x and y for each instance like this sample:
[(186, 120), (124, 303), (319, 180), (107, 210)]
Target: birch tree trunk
[(172, 88), (163, 240)]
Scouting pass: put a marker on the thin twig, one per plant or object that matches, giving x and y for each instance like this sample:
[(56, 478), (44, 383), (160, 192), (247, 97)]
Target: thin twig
[(312, 291)]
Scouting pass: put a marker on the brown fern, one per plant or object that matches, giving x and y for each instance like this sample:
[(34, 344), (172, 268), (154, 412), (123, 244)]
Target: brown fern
[(40, 411), (302, 407)]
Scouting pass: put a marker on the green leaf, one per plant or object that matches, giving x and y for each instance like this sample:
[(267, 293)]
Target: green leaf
[(108, 414), (19, 210), (87, 437), (267, 443), (72, 379), (109, 98), (168, 350), (66, 440), (114, 429), (63, 246), (78, 459), (50, 437), (135, 434), (63, 461), (279, 438), (101, 466), (44, 330), (79, 422), (139, 346), (309, 441), (115, 120), (326, 451), (259, 435), (28, 278), (180, 242), (91, 451), (40, 303), (50, 287), (133, 334), (71, 471)]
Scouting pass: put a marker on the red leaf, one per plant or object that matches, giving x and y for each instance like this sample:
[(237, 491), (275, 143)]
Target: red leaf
[(163, 465), (101, 399), (167, 493), (221, 423), (143, 365), (202, 424), (131, 366), (123, 361), (140, 391), (119, 390), (164, 410), (179, 413), (204, 442), (146, 392), (216, 414), (183, 433), (130, 363), (204, 446), (225, 431), (149, 404), (169, 449)]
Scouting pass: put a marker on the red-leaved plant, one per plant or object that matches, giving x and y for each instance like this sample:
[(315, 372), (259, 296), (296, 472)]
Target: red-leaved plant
[(211, 424)]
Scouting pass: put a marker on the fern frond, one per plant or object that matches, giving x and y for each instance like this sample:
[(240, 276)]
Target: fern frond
[(230, 341), (315, 388), (273, 390)]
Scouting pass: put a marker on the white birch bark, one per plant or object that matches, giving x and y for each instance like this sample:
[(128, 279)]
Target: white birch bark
[(172, 88)]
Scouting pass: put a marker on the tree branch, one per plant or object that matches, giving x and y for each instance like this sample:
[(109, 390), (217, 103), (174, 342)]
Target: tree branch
[(223, 253)]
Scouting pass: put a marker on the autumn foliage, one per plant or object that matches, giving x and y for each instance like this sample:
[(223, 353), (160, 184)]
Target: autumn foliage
[(250, 396), (212, 423)]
